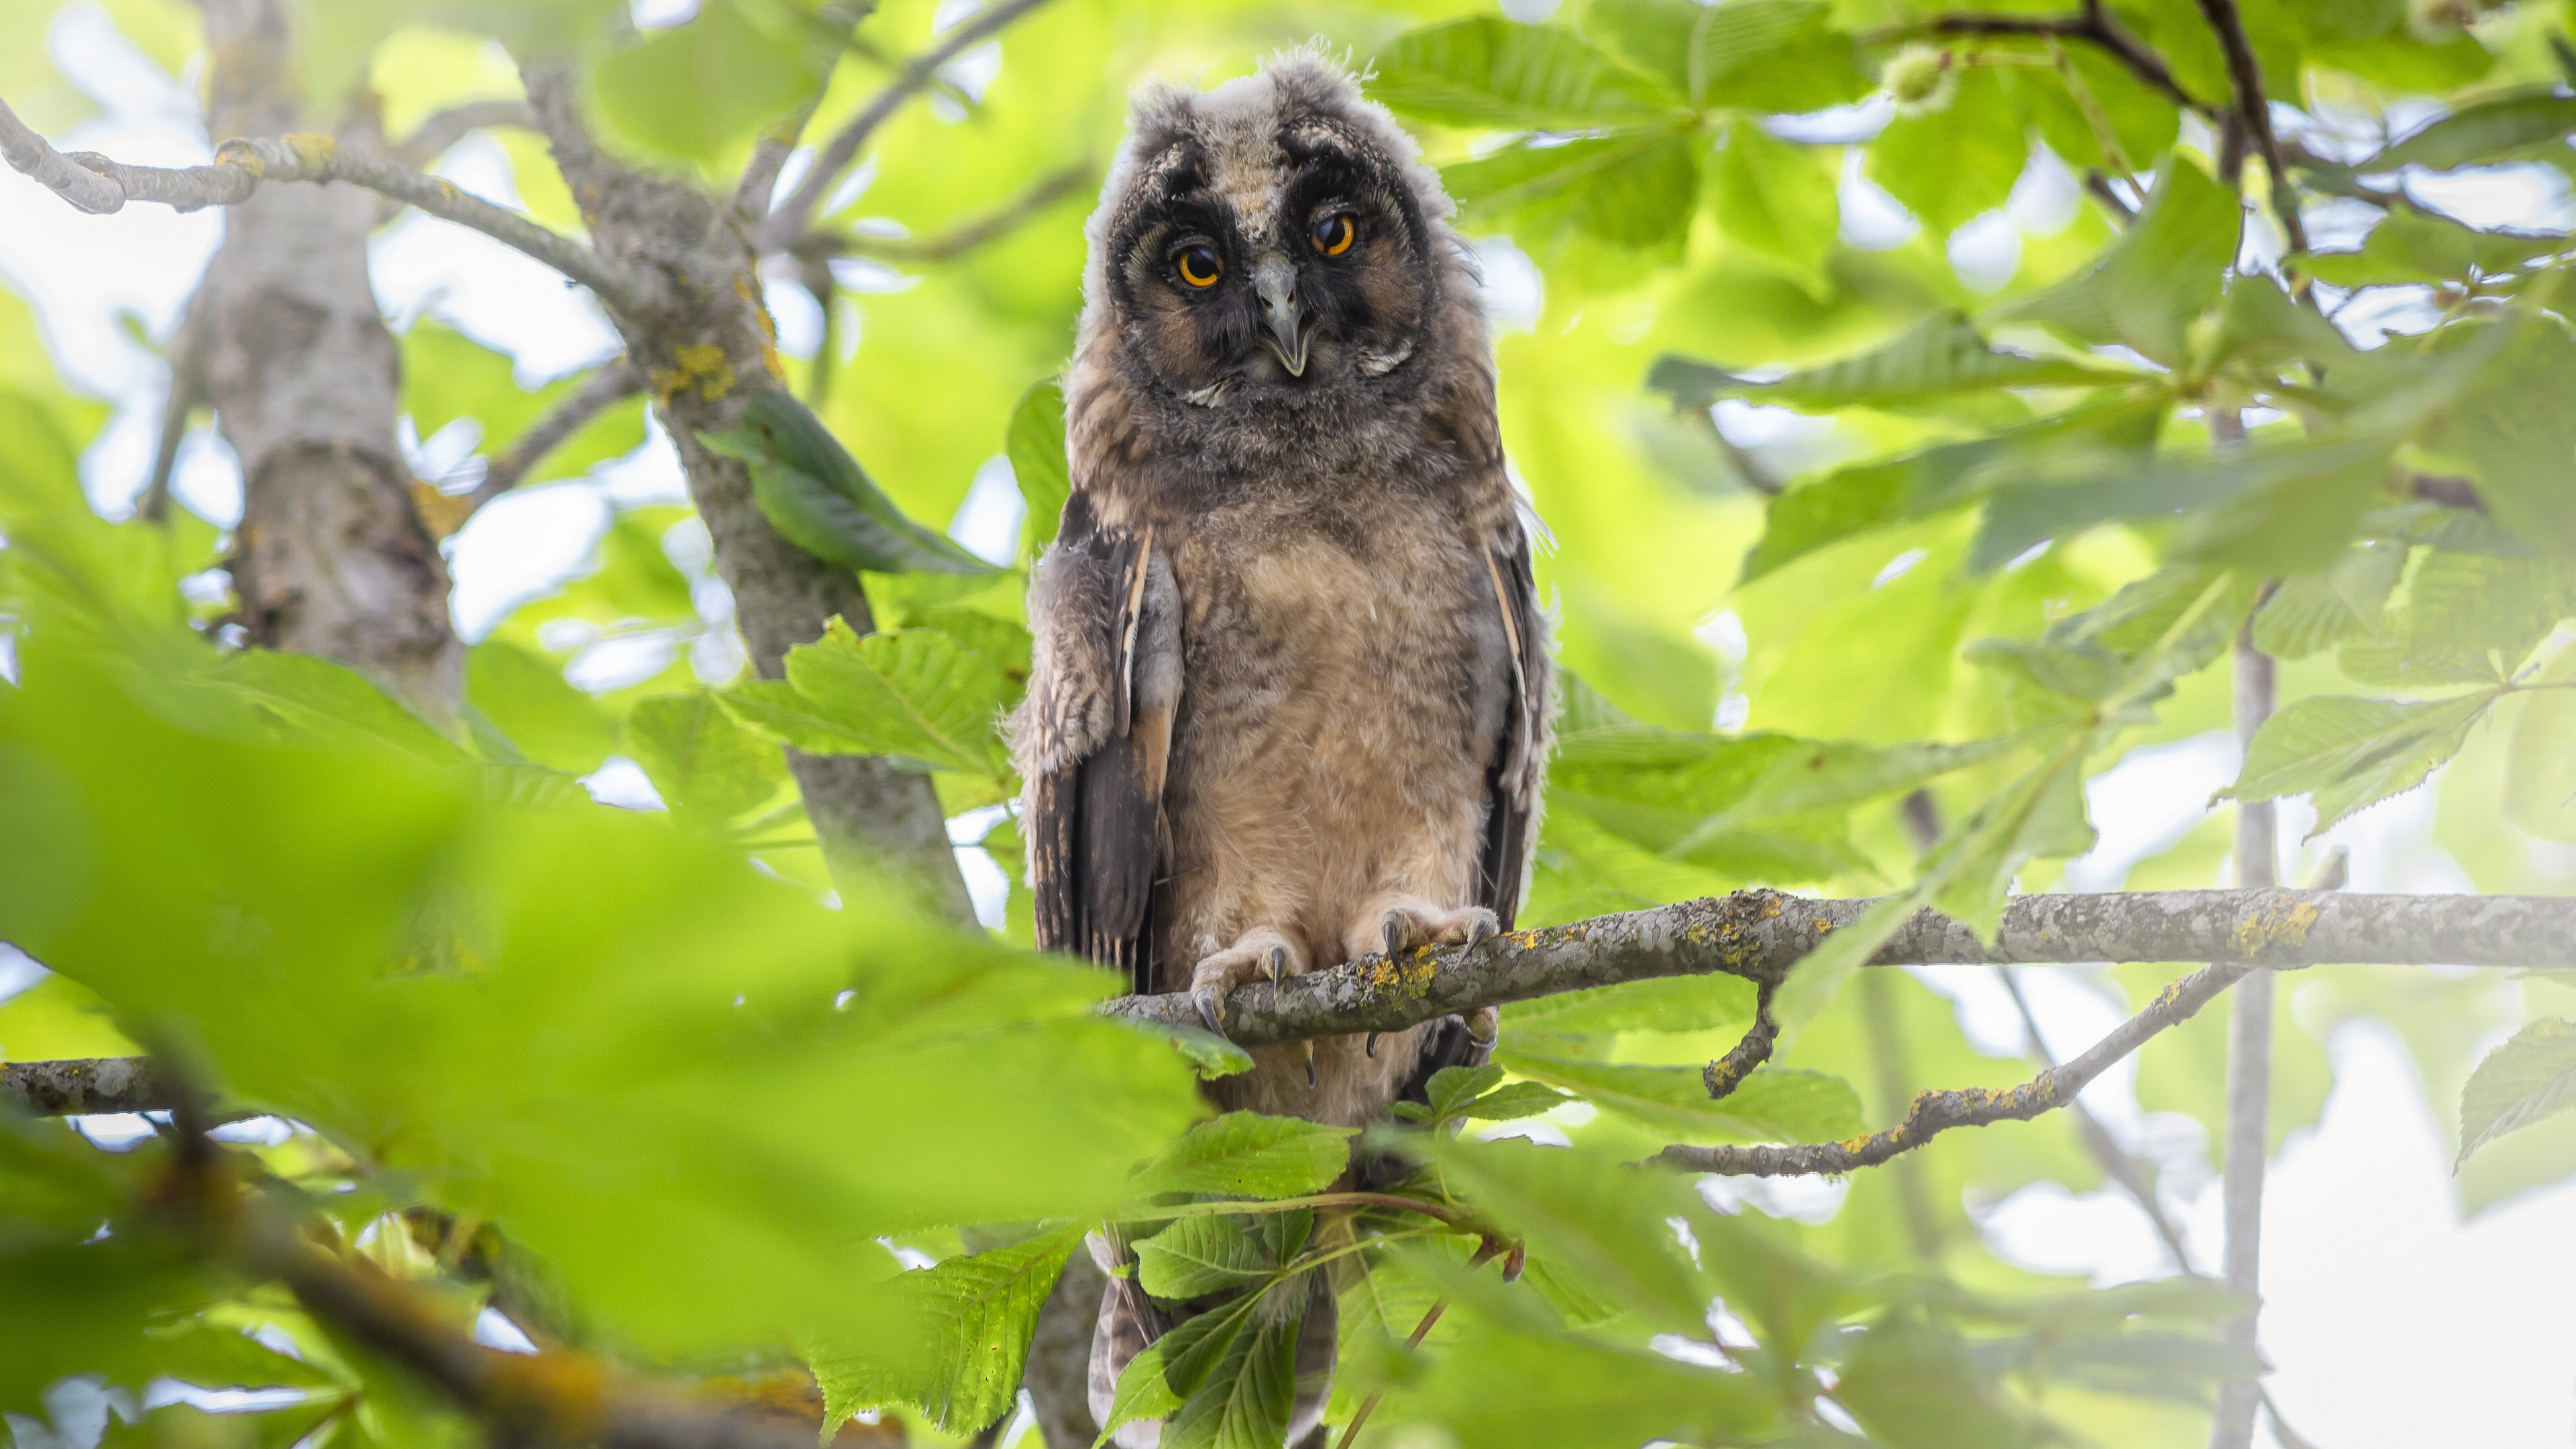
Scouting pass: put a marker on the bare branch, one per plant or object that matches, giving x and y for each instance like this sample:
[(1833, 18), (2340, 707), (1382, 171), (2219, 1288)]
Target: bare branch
[(2099, 186), (1761, 934), (759, 180), (434, 136), (1934, 1113), (85, 1085), (240, 166), (602, 390), (964, 237), (32, 155), (2247, 74), (2247, 1148), (795, 215), (187, 393), (2095, 26)]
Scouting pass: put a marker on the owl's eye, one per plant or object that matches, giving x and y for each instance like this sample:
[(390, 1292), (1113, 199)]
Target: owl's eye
[(1334, 233), (1200, 266)]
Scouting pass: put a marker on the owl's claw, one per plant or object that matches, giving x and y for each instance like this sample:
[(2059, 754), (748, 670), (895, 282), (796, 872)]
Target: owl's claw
[(1395, 930), (1210, 1000), (1276, 963), (1306, 1049), (1372, 1044), (1482, 928), (1257, 955)]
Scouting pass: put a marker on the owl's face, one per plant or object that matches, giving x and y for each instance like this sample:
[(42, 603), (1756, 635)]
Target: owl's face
[(1269, 243)]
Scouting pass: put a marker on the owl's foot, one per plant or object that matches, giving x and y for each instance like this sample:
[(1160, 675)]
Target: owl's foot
[(1395, 924), (1256, 955)]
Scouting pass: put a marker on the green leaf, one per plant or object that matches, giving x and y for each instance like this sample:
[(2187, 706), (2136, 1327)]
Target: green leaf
[(1663, 1003), (1599, 1218), (1939, 357), (1035, 444), (2539, 763), (2528, 1079), (1913, 1384), (2409, 246), (1452, 1088), (1245, 1154), (1144, 1391), (2491, 130), (2317, 611), (1200, 1255), (2352, 752), (912, 693), (815, 493), (700, 90), (1772, 1105), (1246, 1400), (707, 766), (528, 699), (1499, 1389), (1628, 188), (967, 1323), (2161, 274), (1752, 55), (2514, 428), (1491, 72), (1957, 163), (328, 702), (1514, 1100), (1776, 198)]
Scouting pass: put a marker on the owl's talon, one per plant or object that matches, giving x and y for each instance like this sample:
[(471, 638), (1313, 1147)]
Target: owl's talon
[(1277, 963), (1307, 1050), (1372, 1044), (1210, 1000), (1481, 929), (1395, 929)]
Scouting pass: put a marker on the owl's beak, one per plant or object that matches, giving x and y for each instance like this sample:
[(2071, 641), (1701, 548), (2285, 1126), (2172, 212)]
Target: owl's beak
[(1275, 281)]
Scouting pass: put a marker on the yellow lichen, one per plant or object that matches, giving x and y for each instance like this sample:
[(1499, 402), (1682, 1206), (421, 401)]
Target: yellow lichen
[(702, 366), (2278, 924)]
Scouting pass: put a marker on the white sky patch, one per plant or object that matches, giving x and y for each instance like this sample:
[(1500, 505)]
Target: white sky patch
[(987, 521), (1513, 293), (621, 782), (662, 14), (2141, 806), (521, 546), (1872, 220)]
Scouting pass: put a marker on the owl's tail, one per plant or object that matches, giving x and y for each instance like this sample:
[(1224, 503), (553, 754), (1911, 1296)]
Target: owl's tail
[(1130, 1322)]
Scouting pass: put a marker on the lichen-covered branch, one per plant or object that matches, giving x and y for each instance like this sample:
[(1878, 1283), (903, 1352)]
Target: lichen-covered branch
[(86, 1085), (1934, 1113), (794, 215), (1761, 934), (99, 184)]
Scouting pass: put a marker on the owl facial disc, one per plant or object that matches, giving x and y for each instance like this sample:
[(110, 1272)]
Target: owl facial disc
[(1275, 282)]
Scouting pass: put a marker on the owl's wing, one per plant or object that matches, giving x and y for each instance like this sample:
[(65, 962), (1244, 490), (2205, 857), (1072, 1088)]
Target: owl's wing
[(1516, 774), (1094, 736)]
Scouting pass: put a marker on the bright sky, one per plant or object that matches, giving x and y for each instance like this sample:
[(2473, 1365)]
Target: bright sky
[(2393, 1324)]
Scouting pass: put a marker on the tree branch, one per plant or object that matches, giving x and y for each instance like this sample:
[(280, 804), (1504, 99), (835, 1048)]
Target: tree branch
[(1934, 1113), (2249, 1056), (794, 216), (602, 390), (99, 185), (85, 1085), (2247, 74), (2095, 26), (434, 136), (1762, 934), (960, 239)]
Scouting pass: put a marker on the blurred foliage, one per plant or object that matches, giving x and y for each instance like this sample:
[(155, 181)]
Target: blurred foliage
[(1864, 379)]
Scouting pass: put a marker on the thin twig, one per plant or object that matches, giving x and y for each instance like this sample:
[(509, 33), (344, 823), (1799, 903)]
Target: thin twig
[(2246, 73), (2102, 191), (433, 137), (1485, 1253), (795, 215), (187, 393), (2247, 1148), (1936, 1112), (2115, 1159), (602, 390), (753, 190), (100, 185), (2094, 26), (962, 238)]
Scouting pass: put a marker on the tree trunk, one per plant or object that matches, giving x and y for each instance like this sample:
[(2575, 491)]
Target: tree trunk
[(331, 558)]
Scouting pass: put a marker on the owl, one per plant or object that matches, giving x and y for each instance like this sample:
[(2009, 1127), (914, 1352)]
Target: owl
[(1290, 701)]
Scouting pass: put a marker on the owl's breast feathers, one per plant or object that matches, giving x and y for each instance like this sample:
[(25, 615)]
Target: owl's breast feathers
[(1277, 696)]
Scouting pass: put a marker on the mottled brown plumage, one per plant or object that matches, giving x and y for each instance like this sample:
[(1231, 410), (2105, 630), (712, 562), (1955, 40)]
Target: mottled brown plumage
[(1291, 691)]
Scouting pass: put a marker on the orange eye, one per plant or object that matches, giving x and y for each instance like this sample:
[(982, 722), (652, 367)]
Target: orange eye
[(1335, 233), (1201, 266)]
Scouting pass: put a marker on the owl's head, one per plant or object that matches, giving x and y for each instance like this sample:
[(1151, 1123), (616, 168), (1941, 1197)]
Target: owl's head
[(1271, 240)]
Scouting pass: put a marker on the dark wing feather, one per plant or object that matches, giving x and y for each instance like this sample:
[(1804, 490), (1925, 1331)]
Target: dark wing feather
[(1511, 780), (1094, 825)]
